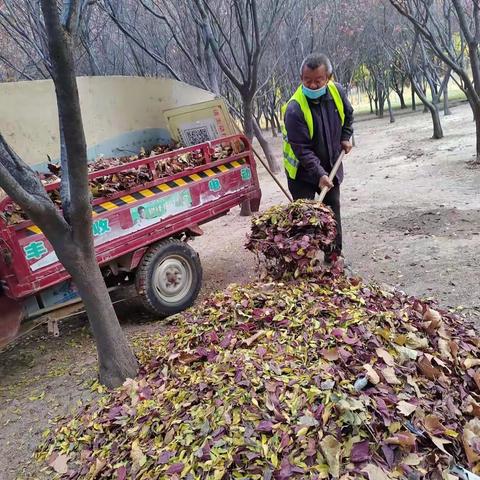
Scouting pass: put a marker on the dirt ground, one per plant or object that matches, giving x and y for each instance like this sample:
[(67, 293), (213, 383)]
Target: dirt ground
[(411, 214)]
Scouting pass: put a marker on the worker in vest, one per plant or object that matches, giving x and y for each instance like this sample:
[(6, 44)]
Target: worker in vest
[(317, 126)]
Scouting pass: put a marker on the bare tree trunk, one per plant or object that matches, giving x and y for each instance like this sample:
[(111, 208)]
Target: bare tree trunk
[(433, 109), (414, 105), (115, 359), (390, 111), (446, 105), (272, 123), (401, 96), (248, 117), (381, 103), (76, 250), (477, 125), (277, 122), (248, 121), (437, 124), (272, 162)]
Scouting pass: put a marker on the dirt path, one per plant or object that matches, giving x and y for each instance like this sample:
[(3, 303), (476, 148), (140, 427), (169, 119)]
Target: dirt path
[(411, 210)]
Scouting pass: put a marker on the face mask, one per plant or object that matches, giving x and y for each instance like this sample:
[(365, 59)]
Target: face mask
[(314, 94)]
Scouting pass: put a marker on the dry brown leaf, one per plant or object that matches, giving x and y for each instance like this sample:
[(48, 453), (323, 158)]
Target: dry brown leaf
[(389, 376), (432, 315), (440, 443), (403, 439), (331, 451), (253, 338), (433, 320), (472, 407), (476, 378), (453, 348), (331, 354), (444, 349), (372, 375), (433, 425), (385, 356), (471, 433), (416, 342), (405, 354), (375, 473), (414, 384), (59, 464), (428, 369), (406, 408)]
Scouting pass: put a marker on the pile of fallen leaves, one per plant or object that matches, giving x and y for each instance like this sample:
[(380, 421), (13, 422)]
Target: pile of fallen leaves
[(320, 379), (289, 239)]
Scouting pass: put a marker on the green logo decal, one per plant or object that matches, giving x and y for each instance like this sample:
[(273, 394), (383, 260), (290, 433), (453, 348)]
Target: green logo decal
[(101, 227), (214, 185), (35, 250), (246, 174)]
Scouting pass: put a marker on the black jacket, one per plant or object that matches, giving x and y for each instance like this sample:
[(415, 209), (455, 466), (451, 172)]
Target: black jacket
[(318, 155)]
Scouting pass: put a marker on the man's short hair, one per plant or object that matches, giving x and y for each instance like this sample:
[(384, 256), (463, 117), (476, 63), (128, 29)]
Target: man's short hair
[(315, 60)]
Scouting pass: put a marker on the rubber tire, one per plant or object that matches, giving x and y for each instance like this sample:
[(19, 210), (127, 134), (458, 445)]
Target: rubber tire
[(145, 272)]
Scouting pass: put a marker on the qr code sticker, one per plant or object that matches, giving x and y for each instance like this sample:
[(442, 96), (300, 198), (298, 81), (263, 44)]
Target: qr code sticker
[(193, 136)]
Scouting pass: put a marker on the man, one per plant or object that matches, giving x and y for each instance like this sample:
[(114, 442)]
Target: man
[(318, 126)]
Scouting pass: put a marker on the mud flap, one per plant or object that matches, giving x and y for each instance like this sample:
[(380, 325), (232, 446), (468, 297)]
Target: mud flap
[(10, 320)]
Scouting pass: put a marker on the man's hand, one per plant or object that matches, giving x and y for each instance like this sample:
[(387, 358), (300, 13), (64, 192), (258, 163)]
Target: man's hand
[(346, 146), (325, 182)]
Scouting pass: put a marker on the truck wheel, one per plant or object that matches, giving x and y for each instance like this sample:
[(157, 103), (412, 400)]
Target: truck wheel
[(169, 277)]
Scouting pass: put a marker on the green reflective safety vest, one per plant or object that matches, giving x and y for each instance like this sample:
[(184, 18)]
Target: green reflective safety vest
[(290, 161)]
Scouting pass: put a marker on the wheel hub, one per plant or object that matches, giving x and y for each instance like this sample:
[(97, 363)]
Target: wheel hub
[(173, 279)]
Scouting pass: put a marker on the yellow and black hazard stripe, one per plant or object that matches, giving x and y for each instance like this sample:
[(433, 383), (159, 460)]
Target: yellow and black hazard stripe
[(150, 192)]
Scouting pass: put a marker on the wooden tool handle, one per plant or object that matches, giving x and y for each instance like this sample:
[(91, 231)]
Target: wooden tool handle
[(332, 175)]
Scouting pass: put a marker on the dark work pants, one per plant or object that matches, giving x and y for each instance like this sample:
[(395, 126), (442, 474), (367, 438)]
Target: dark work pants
[(305, 190)]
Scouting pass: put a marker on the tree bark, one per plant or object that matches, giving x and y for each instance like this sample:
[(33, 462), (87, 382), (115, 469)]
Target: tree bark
[(277, 122), (274, 130), (115, 359), (437, 124), (414, 105), (446, 105), (248, 117), (477, 126), (381, 102), (245, 210), (272, 162), (390, 111), (433, 109), (76, 249), (401, 96)]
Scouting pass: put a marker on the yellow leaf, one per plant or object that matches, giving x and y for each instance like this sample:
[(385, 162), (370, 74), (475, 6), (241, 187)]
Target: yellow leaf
[(138, 457), (471, 362), (394, 427), (302, 431)]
